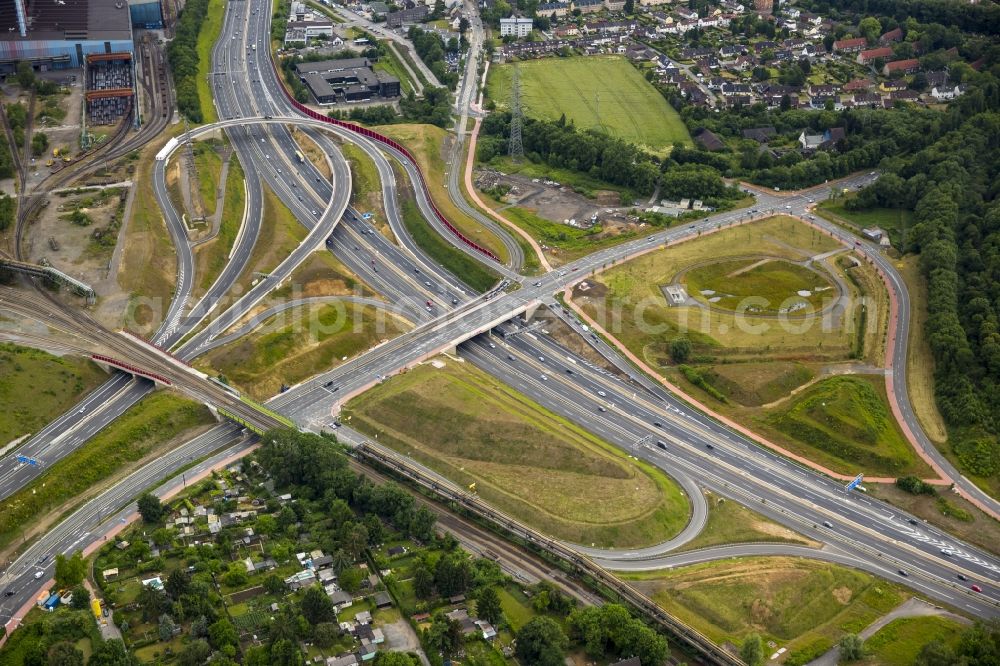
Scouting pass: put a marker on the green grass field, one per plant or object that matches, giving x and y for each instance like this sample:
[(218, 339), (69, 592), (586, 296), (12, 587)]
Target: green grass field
[(207, 36), (597, 92), (845, 422), (754, 384), (895, 221), (803, 605), (154, 421), (36, 386), (211, 257), (899, 642), (525, 460), (298, 344), (778, 282), (647, 324)]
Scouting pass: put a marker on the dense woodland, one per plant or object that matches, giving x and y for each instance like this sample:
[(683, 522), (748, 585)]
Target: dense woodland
[(182, 54)]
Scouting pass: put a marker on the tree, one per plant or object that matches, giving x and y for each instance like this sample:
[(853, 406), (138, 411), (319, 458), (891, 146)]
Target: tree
[(194, 653), (326, 634), (444, 634), (70, 570), (384, 658), (166, 627), (350, 579), (39, 143), (316, 605), (680, 350), (422, 524), (274, 585), (286, 653), (423, 582), (223, 633), (112, 653), (541, 642), (870, 28), (852, 648), (81, 598), (25, 74), (488, 605), (752, 650), (177, 583), (152, 602), (150, 508), (65, 654)]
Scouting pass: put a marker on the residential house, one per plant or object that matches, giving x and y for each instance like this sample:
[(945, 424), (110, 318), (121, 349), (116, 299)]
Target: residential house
[(588, 6), (487, 630), (346, 660), (824, 141), (868, 56), (654, 3), (686, 13), (897, 67), (869, 99), (936, 78), (339, 598), (766, 45), (891, 36), (854, 45), (904, 96), (552, 9), (858, 85), (759, 134), (614, 5), (406, 16), (466, 623), (709, 140), (364, 617), (568, 30), (383, 600), (303, 578), (631, 661), (946, 92), (893, 86)]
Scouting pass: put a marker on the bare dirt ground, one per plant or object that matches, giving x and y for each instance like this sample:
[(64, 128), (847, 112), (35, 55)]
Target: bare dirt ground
[(555, 202), (81, 249)]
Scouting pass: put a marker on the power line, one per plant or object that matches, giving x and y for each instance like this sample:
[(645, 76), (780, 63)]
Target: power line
[(516, 148)]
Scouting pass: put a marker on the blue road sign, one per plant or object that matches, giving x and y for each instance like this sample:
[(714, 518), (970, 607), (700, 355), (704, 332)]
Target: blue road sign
[(855, 483), (26, 459)]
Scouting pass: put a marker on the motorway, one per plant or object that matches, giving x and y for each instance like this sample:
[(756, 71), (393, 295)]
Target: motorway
[(868, 533)]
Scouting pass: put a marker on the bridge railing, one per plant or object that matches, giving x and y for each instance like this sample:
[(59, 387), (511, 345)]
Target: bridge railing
[(383, 139), (128, 367)]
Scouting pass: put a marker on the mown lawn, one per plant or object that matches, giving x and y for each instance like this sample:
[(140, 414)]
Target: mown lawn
[(607, 94), (36, 386), (523, 459), (212, 256)]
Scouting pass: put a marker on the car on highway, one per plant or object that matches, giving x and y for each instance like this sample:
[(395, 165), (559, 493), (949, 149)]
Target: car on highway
[(602, 393), (975, 588), (657, 424), (827, 523), (709, 447), (903, 573), (660, 443), (510, 357), (545, 378), (602, 408), (492, 346), (8, 592), (39, 574), (542, 359), (946, 553), (962, 577), (912, 521)]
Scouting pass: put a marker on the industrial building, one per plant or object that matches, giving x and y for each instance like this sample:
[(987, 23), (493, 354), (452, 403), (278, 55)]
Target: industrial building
[(145, 13), (347, 80), (110, 90), (53, 34)]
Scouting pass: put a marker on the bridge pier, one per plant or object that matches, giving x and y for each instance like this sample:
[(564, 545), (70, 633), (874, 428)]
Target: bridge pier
[(530, 311)]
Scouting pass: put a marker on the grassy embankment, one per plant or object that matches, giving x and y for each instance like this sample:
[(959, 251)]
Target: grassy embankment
[(207, 36), (747, 364), (899, 642), (524, 460), (149, 266), (896, 222), (141, 433), (212, 256), (803, 605), (427, 144), (603, 93), (731, 522), (297, 344), (35, 386)]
